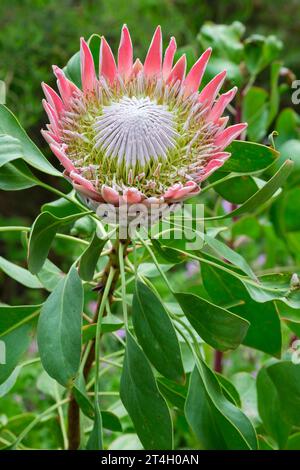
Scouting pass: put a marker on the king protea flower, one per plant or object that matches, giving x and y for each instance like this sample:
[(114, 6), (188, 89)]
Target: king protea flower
[(138, 133)]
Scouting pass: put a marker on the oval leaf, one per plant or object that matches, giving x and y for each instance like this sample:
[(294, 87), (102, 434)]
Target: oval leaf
[(89, 258), (59, 329), (248, 157), (10, 126), (42, 234), (217, 423), (141, 398), (15, 176), (217, 326), (156, 334)]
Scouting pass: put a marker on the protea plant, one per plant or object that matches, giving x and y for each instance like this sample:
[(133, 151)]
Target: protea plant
[(123, 321), (138, 132)]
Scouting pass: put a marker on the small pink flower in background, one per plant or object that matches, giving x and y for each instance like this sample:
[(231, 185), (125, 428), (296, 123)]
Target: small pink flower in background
[(192, 268), (138, 132)]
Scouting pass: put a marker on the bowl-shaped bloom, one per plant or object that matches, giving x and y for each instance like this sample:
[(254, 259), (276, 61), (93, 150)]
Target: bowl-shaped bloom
[(138, 133)]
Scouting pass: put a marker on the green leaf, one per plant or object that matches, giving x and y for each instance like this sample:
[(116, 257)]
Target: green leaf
[(269, 407), (248, 157), (285, 212), (61, 207), (173, 392), (59, 329), (217, 326), (264, 332), (126, 442), (10, 126), (95, 438), (11, 317), (217, 423), (290, 150), (109, 324), (6, 386), (260, 51), (246, 385), (72, 69), (141, 398), (42, 234), (229, 389), (256, 113), (225, 39), (111, 421), (230, 255), (236, 189), (264, 194), (275, 286), (13, 345), (166, 253), (275, 91), (82, 398), (287, 126), (156, 334), (293, 442), (16, 176), (89, 258), (19, 274), (286, 377), (10, 149), (49, 275)]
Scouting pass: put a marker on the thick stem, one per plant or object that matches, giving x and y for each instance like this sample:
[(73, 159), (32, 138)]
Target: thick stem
[(73, 425), (73, 411)]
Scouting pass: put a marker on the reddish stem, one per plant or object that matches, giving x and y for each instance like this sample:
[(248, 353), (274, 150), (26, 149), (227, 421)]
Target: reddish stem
[(218, 361)]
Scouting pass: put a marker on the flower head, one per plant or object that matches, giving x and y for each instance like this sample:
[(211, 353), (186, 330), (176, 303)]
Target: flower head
[(138, 133)]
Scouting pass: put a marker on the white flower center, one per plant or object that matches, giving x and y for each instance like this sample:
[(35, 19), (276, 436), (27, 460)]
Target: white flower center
[(136, 131)]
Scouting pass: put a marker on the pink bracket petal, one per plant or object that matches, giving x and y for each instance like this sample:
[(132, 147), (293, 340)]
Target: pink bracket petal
[(52, 115), (110, 195), (214, 165), (152, 64), (132, 196), (125, 54), (172, 190), (228, 135), (169, 57), (137, 67), (178, 71), (194, 77), (66, 88), (50, 137), (62, 157), (53, 98), (220, 105), (210, 91), (107, 64), (88, 75)]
